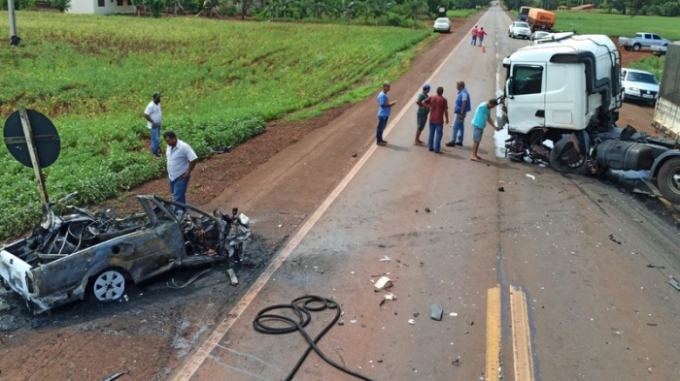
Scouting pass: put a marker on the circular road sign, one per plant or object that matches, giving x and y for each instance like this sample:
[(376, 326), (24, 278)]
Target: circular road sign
[(45, 137)]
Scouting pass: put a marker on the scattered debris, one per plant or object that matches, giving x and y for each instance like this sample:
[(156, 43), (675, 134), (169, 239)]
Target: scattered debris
[(353, 321), (382, 246), (651, 266), (531, 176), (416, 210), (113, 377), (453, 314), (456, 362), (436, 312), (611, 238), (542, 165), (380, 361), (674, 282), (280, 225), (385, 258), (645, 193), (427, 210), (652, 324), (341, 322), (354, 154), (501, 189), (386, 297), (232, 277), (382, 283), (416, 314), (412, 321), (471, 322), (4, 306)]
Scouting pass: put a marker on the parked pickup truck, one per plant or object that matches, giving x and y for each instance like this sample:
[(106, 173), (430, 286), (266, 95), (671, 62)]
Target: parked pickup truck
[(642, 41)]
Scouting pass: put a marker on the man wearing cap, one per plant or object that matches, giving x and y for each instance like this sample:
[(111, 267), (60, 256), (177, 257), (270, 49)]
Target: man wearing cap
[(181, 161), (153, 116), (462, 108), (384, 110), (421, 116)]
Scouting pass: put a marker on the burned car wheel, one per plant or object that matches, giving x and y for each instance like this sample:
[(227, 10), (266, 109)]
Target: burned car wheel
[(109, 286), (668, 180)]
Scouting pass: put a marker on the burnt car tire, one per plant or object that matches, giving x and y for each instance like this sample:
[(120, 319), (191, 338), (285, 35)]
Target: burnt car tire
[(109, 285), (668, 180)]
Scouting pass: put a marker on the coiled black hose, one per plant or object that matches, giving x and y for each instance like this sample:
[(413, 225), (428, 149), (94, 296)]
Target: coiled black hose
[(302, 307)]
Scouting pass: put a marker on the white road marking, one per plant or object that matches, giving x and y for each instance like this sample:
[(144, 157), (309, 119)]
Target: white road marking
[(203, 352)]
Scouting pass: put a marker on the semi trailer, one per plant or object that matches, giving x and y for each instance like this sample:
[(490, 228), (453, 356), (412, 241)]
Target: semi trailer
[(561, 104)]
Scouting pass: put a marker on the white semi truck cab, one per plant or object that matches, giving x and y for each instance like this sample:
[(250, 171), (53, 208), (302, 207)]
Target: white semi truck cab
[(567, 89)]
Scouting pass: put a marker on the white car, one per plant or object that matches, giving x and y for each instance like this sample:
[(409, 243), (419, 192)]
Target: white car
[(639, 85), (519, 29), (442, 24)]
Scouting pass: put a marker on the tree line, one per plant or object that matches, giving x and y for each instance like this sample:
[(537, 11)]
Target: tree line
[(669, 8)]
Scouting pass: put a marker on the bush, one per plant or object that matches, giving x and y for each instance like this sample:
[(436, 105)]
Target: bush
[(61, 5), (394, 19), (670, 9)]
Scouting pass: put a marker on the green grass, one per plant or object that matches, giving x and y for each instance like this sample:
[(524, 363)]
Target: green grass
[(221, 80), (617, 25), (461, 13), (651, 64)]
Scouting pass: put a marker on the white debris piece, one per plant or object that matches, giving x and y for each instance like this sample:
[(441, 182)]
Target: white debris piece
[(412, 321), (382, 283), (385, 259), (531, 176)]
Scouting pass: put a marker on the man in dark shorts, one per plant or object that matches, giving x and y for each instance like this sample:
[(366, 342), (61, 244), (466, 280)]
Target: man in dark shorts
[(439, 114), (481, 119), (421, 116)]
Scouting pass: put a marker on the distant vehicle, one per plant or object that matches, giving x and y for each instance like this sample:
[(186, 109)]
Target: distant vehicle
[(536, 36), (523, 13), (540, 19), (442, 24), (641, 41), (519, 29), (659, 50), (639, 85)]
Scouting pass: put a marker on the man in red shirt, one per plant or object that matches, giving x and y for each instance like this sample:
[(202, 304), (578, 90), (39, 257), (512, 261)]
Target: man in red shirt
[(439, 114), (474, 36), (480, 35)]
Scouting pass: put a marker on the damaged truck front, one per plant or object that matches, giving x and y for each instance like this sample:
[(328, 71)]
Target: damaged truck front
[(561, 104), (68, 257)]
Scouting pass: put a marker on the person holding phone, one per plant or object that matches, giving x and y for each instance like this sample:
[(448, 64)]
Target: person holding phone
[(384, 110)]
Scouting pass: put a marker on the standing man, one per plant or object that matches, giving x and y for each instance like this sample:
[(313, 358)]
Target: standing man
[(480, 35), (153, 116), (421, 117), (181, 161), (384, 109), (474, 36), (479, 121), (461, 110), (439, 114)]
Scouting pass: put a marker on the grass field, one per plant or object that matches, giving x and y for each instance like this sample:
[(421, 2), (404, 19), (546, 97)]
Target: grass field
[(221, 82), (461, 13), (617, 24)]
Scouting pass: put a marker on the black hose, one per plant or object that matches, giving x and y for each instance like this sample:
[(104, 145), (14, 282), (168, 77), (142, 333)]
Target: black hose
[(303, 307)]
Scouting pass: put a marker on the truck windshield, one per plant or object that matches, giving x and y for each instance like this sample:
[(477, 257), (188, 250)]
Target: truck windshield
[(642, 77)]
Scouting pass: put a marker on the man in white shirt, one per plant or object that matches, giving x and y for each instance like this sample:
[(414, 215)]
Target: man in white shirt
[(181, 161), (153, 117)]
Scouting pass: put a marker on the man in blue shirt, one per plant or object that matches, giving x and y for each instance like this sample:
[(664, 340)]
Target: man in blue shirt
[(462, 108), (384, 109), (479, 121)]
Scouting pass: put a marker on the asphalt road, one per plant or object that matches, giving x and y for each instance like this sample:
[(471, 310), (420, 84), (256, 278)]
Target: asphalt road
[(548, 280)]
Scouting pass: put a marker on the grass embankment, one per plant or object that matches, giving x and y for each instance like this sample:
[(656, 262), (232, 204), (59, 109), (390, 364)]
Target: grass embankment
[(221, 80)]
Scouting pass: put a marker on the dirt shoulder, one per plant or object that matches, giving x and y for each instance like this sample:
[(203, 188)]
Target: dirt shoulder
[(277, 178)]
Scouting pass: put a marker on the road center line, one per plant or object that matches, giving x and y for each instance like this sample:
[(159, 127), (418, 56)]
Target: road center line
[(521, 336), (194, 363), (493, 334)]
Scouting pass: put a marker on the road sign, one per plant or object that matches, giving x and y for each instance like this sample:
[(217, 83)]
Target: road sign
[(33, 140)]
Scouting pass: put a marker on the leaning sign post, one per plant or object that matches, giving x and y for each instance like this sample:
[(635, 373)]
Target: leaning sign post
[(34, 142)]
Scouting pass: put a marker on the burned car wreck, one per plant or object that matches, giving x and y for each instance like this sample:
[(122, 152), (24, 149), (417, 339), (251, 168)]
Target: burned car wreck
[(80, 253)]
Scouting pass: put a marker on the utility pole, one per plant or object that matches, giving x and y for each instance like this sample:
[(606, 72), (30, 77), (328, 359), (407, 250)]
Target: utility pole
[(13, 37)]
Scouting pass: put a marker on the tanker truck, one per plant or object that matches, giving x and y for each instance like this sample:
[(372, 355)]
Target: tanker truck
[(561, 104)]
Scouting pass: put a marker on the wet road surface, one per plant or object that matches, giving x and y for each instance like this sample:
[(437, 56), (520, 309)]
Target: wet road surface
[(548, 280)]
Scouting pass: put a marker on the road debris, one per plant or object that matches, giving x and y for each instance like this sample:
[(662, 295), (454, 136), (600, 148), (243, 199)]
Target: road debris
[(531, 176), (382, 284), (645, 193), (354, 154), (611, 238), (232, 277), (386, 297), (456, 362), (501, 189), (4, 306), (427, 210), (353, 321), (652, 324), (412, 321), (436, 312), (113, 377), (651, 266), (674, 282), (385, 258), (341, 322), (453, 314)]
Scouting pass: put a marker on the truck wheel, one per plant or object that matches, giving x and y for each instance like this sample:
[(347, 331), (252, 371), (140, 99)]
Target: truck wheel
[(575, 162), (636, 47), (109, 286), (668, 180)]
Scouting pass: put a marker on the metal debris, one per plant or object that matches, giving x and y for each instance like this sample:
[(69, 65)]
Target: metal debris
[(113, 377), (651, 266), (412, 321), (674, 282), (386, 297), (531, 176), (436, 312), (453, 314), (385, 258), (232, 277), (456, 362), (611, 238), (501, 189)]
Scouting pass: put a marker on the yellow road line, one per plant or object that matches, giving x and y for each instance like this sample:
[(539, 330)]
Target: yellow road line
[(493, 333), (521, 336)]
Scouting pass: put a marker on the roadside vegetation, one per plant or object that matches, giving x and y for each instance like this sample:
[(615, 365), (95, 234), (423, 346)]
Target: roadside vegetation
[(617, 25), (221, 82)]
